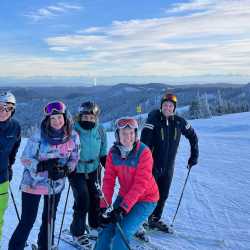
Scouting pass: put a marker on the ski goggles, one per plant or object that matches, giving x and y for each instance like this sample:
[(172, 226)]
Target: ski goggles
[(6, 107), (127, 122), (88, 111), (54, 107), (169, 97)]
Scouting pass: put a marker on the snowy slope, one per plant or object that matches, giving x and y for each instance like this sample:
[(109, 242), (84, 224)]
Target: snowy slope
[(215, 212)]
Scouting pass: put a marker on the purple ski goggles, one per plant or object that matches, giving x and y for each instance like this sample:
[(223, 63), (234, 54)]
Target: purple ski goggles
[(56, 107)]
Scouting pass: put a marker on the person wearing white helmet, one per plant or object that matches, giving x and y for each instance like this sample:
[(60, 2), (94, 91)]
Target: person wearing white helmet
[(10, 138)]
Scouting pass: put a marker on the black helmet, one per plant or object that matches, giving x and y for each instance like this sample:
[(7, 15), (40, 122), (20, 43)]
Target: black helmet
[(89, 108), (169, 97)]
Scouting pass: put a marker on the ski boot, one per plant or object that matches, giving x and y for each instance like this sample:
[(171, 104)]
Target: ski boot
[(156, 224), (141, 235)]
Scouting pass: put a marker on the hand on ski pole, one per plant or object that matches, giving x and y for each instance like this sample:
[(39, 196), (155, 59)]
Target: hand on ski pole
[(192, 161), (117, 215), (46, 165), (55, 170)]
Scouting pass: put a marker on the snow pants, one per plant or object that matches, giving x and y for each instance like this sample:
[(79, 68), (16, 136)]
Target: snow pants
[(3, 203), (164, 183), (30, 204), (110, 238), (86, 200)]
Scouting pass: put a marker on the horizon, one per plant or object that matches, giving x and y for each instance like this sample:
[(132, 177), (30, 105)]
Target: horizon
[(35, 84), (105, 42)]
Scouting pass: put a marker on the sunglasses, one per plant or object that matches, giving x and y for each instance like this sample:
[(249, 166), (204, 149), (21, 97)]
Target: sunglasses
[(54, 107), (6, 108), (170, 97), (127, 122)]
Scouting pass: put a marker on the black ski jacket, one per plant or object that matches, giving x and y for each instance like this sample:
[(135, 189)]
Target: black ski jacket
[(163, 136), (10, 138)]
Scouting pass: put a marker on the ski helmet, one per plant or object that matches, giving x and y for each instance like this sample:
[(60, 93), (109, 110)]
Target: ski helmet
[(54, 108), (8, 97), (169, 97), (125, 122), (89, 108)]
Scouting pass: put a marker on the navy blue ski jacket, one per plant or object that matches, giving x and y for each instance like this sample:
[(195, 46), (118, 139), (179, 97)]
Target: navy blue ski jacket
[(10, 138)]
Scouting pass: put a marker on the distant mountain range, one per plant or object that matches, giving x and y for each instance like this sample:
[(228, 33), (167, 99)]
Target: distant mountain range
[(118, 100)]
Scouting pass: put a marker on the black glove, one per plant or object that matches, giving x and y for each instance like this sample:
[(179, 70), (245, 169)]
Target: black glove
[(117, 215), (192, 161), (46, 165), (57, 172), (104, 218), (10, 172), (103, 160), (71, 174)]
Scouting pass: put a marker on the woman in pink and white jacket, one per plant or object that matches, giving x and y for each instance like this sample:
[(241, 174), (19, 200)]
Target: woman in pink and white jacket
[(50, 154)]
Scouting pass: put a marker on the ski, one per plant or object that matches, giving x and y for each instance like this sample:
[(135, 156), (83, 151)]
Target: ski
[(88, 235), (147, 227), (85, 242), (142, 245)]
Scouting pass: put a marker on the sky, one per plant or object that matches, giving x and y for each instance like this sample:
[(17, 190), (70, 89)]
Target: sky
[(110, 41)]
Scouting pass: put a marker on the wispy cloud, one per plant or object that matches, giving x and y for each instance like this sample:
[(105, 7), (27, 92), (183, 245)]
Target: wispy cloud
[(195, 5), (51, 11), (188, 44), (208, 37)]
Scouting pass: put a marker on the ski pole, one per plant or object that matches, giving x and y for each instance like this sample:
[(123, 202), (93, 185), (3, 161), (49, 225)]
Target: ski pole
[(64, 210), (49, 215), (118, 225), (189, 169), (52, 215), (14, 202), (17, 214)]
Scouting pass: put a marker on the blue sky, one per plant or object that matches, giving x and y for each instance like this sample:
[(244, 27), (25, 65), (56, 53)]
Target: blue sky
[(116, 41)]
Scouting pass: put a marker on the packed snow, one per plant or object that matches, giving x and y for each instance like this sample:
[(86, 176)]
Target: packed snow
[(215, 210)]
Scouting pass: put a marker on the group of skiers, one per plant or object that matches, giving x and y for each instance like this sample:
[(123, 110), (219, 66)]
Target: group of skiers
[(78, 150)]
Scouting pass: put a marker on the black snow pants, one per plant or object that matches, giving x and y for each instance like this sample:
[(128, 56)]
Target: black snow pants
[(30, 204), (164, 183), (86, 200)]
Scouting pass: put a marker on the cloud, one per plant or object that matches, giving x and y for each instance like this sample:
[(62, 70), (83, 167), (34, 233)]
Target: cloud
[(209, 37), (195, 5), (51, 11)]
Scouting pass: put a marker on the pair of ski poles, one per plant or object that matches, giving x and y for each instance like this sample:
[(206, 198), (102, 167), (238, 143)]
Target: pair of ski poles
[(50, 232), (51, 210)]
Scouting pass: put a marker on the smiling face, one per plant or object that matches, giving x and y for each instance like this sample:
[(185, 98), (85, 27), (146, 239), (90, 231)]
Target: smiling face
[(168, 108), (5, 111), (127, 136), (57, 121)]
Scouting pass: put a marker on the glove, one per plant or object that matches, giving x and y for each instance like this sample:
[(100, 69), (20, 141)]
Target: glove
[(57, 172), (104, 218), (71, 174), (117, 215), (46, 165), (10, 171), (192, 161), (103, 160)]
